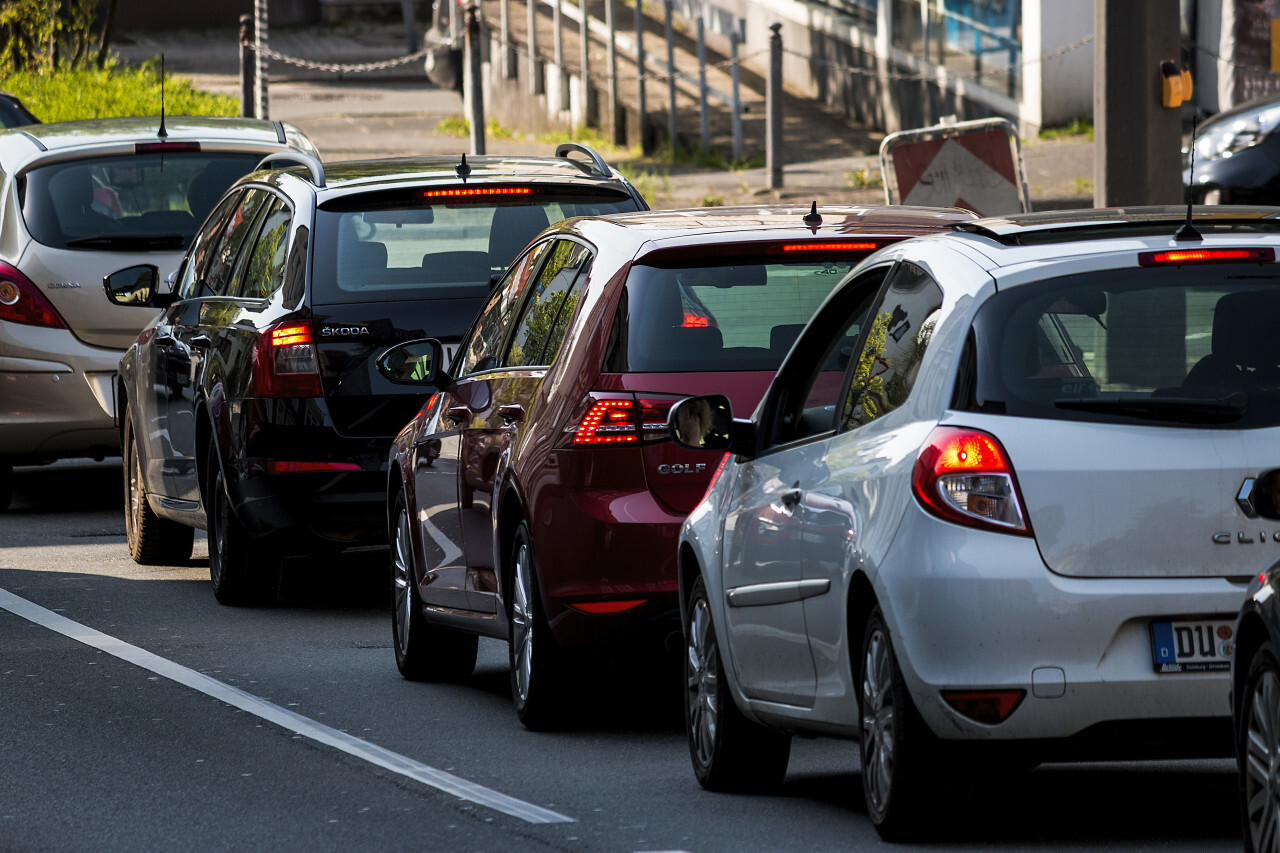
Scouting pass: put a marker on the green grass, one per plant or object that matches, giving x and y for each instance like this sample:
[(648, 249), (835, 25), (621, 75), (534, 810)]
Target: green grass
[(1076, 127), (116, 90), (454, 126)]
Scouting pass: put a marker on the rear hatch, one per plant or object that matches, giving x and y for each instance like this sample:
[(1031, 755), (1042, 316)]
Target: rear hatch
[(93, 216), (394, 265), (692, 326), (1136, 407)]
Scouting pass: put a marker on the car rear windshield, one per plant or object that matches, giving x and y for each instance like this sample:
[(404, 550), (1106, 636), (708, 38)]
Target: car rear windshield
[(398, 245), (130, 202), (1173, 346), (716, 317)]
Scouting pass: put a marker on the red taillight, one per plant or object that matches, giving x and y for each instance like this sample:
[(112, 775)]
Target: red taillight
[(275, 466), (984, 706), (1182, 257), (21, 302), (695, 321), (605, 607), (963, 475), (608, 422), (622, 419), (285, 363), (473, 192), (165, 147)]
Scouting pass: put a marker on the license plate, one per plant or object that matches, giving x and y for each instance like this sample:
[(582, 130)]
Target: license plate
[(1192, 646)]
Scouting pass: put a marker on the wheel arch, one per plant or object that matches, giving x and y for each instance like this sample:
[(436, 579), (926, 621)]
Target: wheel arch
[(511, 511), (858, 606), (1252, 635)]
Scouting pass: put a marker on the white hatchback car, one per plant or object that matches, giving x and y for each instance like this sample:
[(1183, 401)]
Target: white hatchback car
[(78, 200), (1002, 500)]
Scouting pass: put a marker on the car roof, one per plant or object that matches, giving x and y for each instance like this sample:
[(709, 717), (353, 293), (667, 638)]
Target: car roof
[(344, 177), (23, 147), (750, 223)]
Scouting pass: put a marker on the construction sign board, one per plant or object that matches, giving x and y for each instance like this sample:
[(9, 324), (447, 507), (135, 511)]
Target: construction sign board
[(976, 165)]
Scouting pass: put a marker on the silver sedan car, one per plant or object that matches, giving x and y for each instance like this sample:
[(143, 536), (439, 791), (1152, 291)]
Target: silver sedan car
[(999, 506), (78, 200)]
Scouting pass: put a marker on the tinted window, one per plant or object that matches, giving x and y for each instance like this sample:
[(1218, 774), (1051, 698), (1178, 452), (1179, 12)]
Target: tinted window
[(200, 255), (1180, 346), (900, 328), (718, 317), (552, 298), (124, 203), (390, 246), (480, 350), (236, 229), (264, 273)]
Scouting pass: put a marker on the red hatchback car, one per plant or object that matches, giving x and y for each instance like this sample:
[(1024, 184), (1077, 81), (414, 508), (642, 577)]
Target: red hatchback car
[(537, 497)]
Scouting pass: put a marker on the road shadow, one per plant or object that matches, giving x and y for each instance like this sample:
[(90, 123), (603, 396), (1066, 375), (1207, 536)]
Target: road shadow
[(69, 486)]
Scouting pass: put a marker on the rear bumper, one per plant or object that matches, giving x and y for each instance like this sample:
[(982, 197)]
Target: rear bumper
[(56, 395), (607, 546)]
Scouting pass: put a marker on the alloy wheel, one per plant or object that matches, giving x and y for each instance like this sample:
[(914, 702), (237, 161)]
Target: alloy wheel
[(401, 563), (877, 721), (1261, 777), (522, 621), (703, 673)]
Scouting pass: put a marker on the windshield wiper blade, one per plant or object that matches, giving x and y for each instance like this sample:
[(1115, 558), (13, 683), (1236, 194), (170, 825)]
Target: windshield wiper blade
[(130, 241), (1189, 410)]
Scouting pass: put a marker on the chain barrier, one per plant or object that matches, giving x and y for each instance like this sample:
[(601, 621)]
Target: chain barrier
[(338, 68)]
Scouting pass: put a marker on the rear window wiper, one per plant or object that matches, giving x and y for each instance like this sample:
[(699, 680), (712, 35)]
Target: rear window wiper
[(126, 242), (1188, 410)]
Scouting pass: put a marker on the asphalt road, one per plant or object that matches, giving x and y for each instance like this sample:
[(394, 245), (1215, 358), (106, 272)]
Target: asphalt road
[(138, 714)]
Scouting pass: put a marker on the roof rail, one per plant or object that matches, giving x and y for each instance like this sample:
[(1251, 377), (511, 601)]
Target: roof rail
[(1043, 227), (295, 158), (564, 149)]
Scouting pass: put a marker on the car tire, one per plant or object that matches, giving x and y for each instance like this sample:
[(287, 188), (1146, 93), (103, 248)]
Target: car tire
[(424, 652), (728, 751), (240, 566), (900, 756), (539, 677), (152, 540), (6, 485), (1258, 751)]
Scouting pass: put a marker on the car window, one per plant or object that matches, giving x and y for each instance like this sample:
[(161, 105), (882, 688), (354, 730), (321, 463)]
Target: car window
[(200, 255), (109, 203), (481, 349), (394, 244), (900, 328), (725, 315), (263, 272), (237, 227), (552, 297), (1190, 345), (809, 383)]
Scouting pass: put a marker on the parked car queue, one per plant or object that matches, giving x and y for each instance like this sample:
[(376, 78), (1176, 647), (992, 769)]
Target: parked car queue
[(962, 430)]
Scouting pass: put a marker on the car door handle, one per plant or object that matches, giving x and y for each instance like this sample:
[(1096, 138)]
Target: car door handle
[(791, 497), (511, 413), (201, 341), (457, 413)]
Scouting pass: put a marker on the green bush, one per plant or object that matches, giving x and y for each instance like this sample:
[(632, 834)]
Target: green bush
[(45, 34), (116, 90)]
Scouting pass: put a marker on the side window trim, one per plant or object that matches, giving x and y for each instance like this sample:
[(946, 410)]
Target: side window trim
[(527, 297), (500, 344), (276, 203)]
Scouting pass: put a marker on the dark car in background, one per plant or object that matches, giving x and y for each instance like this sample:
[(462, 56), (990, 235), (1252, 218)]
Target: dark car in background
[(13, 113), (252, 406), (1237, 156), (80, 199), (536, 498)]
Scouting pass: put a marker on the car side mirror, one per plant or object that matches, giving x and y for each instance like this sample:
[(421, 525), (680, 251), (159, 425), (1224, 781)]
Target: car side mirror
[(419, 362), (136, 286), (702, 423)]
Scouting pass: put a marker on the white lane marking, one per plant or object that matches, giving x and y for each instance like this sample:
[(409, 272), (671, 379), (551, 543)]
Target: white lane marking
[(237, 698)]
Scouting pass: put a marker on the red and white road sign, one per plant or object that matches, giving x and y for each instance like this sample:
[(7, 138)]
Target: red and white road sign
[(976, 165)]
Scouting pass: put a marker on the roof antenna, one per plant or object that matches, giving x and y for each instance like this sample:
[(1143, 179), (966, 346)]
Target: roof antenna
[(1188, 231), (462, 169), (162, 133), (813, 219)]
